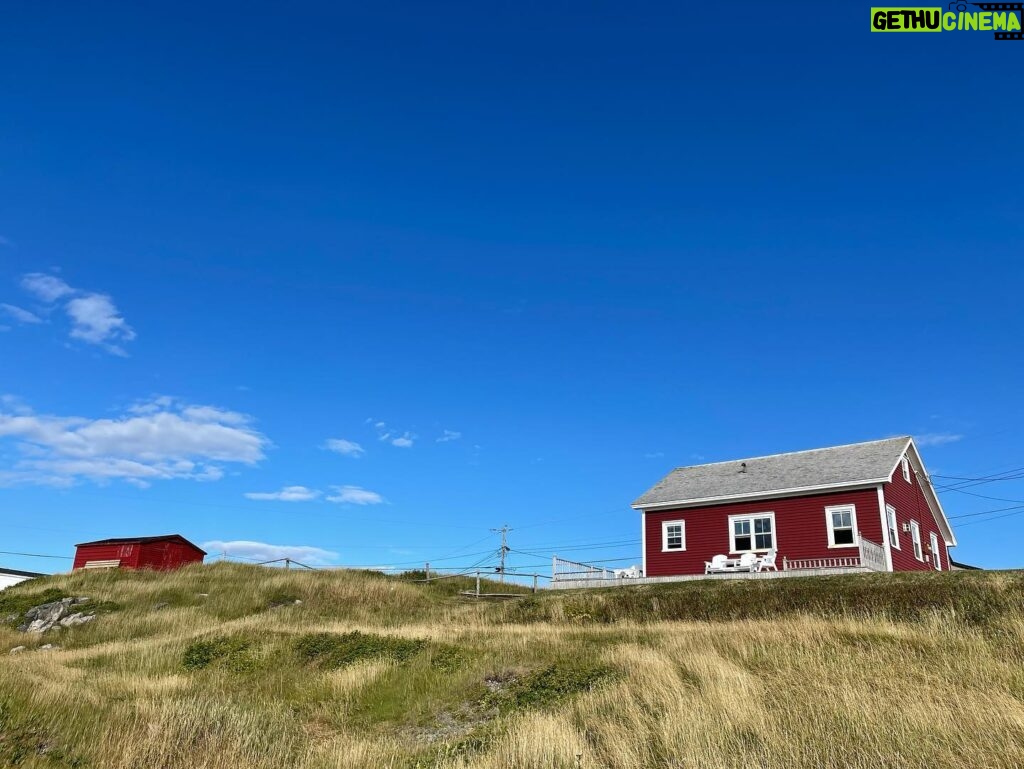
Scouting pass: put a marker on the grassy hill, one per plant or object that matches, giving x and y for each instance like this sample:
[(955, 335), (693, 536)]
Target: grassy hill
[(231, 667)]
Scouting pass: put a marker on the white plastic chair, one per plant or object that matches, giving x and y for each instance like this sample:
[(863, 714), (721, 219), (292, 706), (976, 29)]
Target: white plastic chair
[(748, 562), (716, 564), (767, 561)]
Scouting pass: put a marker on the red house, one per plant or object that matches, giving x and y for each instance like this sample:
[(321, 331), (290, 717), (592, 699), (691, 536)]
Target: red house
[(861, 507), (169, 551)]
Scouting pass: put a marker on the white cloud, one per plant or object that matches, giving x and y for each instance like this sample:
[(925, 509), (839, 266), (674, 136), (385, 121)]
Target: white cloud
[(263, 551), (936, 439), (20, 315), (211, 414), (94, 317), (344, 447), (287, 494), (404, 441), (354, 495), (96, 321), (46, 287), (449, 435), (156, 441)]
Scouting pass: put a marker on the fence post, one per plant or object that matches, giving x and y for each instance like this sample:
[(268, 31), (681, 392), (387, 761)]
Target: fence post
[(785, 563), (554, 561), (426, 569), (535, 583), (287, 564), (478, 584)]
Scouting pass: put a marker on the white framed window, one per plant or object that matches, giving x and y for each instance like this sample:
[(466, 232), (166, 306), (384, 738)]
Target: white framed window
[(752, 533), (894, 530), (842, 525), (905, 464), (936, 553), (673, 536), (915, 537)]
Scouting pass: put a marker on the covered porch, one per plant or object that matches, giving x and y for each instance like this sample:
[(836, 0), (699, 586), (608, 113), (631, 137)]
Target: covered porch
[(869, 557)]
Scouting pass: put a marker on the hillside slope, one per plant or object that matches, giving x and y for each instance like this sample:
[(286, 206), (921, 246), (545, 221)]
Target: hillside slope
[(231, 666)]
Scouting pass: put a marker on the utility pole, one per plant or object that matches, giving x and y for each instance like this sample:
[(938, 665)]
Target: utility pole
[(504, 530)]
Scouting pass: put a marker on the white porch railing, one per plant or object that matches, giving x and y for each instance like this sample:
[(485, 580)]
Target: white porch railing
[(872, 556), (869, 556), (571, 571)]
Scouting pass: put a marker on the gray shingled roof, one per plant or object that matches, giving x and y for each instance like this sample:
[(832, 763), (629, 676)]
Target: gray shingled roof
[(840, 465)]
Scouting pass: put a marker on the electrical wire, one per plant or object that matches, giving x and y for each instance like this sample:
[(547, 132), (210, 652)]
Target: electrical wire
[(38, 555)]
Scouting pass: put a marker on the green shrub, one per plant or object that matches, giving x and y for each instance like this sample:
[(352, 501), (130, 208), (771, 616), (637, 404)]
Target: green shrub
[(447, 659), (900, 597), (14, 603), (232, 651), (331, 650), (551, 685)]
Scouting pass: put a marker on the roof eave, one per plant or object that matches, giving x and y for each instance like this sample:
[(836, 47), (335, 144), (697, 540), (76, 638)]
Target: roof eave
[(774, 494), (930, 495)]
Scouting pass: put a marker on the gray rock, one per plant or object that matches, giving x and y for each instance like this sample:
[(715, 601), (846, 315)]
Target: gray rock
[(77, 619), (161, 605), (41, 618), (47, 647), (17, 650)]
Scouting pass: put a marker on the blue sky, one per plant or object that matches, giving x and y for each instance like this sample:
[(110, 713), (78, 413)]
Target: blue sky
[(523, 259)]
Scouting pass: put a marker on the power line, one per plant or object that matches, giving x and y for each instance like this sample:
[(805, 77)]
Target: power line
[(1004, 475), (985, 512), (986, 478), (38, 555), (986, 496), (993, 518)]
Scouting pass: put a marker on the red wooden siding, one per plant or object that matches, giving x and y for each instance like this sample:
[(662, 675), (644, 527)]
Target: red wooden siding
[(160, 555), (910, 503), (800, 529), (127, 554)]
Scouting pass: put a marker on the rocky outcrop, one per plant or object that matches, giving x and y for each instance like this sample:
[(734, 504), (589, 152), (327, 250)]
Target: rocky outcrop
[(60, 613)]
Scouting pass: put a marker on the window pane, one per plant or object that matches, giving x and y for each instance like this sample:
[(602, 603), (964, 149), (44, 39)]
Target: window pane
[(742, 527), (743, 543), (763, 541), (763, 525), (843, 536)]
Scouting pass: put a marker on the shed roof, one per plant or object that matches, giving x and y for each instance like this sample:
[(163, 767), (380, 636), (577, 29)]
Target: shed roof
[(142, 541), (19, 573), (836, 466)]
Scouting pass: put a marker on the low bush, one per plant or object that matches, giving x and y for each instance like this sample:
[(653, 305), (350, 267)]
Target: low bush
[(230, 651), (550, 685), (330, 650), (899, 597), (14, 602)]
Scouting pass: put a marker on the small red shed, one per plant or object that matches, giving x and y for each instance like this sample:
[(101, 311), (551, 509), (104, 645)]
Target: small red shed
[(170, 551)]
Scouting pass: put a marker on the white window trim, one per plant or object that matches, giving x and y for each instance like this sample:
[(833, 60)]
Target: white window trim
[(915, 538), (894, 527), (905, 464), (664, 536), (831, 529), (751, 516), (933, 545)]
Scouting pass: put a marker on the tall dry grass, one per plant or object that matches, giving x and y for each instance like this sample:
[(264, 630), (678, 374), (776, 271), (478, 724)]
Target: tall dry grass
[(796, 691)]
